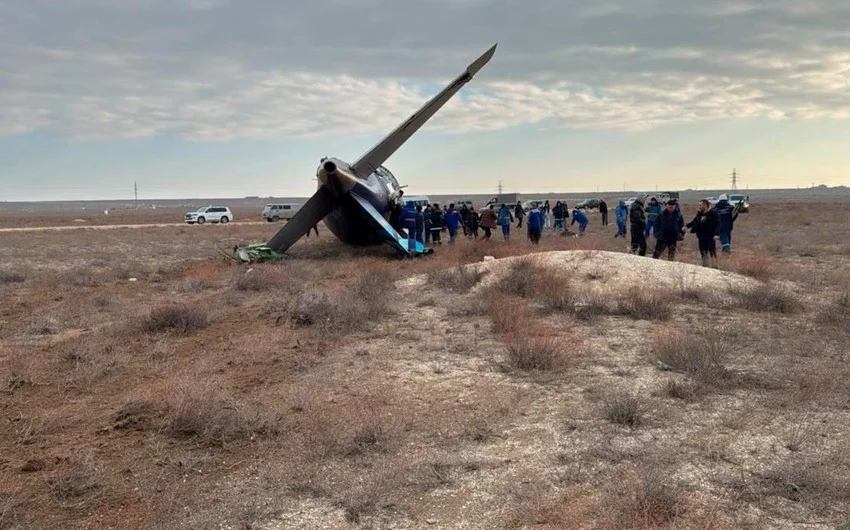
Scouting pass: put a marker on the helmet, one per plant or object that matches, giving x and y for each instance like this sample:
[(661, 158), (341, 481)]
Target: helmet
[(723, 197), (641, 198)]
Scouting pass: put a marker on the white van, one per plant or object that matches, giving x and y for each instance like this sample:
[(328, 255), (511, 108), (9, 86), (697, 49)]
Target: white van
[(418, 200), (276, 212)]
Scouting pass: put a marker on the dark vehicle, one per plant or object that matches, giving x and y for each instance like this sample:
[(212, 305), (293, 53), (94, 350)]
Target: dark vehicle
[(588, 204)]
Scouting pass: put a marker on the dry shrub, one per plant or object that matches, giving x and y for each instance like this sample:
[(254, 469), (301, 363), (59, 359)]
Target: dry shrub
[(258, 278), (624, 409), (760, 267), (9, 276), (530, 353), (185, 319), (75, 483), (646, 498), (811, 478), (642, 305), (194, 285), (520, 279), (555, 291), (456, 280), (701, 355), (215, 418), (681, 390), (837, 312), (769, 298), (509, 315), (365, 302)]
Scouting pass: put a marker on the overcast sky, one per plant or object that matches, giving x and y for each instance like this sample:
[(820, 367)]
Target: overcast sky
[(231, 98)]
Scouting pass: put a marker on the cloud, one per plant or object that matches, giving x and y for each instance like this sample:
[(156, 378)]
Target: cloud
[(217, 69)]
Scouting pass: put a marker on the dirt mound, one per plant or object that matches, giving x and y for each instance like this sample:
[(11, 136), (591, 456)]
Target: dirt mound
[(610, 271)]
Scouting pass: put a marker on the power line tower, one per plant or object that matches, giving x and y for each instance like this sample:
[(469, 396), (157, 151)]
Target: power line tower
[(500, 187), (734, 180), (135, 195)]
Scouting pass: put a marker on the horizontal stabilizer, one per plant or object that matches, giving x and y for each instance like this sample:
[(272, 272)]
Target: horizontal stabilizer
[(387, 232), (314, 210), (376, 156)]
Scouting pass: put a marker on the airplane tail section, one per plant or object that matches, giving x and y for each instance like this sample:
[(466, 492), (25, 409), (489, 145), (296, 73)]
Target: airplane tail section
[(376, 156)]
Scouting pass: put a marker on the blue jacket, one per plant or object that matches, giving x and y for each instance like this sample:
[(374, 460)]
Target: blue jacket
[(725, 218), (408, 217), (621, 212), (535, 220), (452, 220), (505, 217), (580, 217), (652, 211)]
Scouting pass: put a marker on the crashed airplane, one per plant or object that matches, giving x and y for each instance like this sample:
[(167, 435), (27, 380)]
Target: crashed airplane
[(355, 201)]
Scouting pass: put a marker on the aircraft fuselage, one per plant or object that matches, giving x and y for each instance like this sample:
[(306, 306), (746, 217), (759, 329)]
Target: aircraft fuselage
[(348, 221)]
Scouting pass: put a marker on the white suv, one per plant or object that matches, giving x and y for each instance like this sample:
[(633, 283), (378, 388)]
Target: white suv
[(213, 214)]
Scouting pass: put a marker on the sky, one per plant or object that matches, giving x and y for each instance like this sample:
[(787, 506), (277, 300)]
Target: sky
[(227, 98)]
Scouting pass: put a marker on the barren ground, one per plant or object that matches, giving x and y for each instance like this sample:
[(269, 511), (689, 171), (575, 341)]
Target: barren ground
[(146, 382)]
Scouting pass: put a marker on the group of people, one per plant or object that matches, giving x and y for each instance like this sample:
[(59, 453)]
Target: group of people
[(427, 224), (668, 226), (665, 223)]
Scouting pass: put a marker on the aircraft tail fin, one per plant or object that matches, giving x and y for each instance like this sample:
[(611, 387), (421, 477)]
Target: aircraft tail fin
[(376, 156)]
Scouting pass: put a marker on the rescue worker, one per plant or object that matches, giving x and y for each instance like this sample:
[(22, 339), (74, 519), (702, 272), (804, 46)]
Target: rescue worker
[(426, 216), (603, 211), (621, 213), (472, 222), (726, 215), (453, 221), (581, 218), (559, 213), (652, 211), (669, 225), (464, 218), (420, 223), (519, 213), (505, 220), (488, 221), (637, 221), (704, 225), (534, 223), (436, 224), (408, 222)]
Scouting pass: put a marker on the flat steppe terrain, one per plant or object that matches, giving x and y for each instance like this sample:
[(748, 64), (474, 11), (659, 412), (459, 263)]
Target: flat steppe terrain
[(147, 382)]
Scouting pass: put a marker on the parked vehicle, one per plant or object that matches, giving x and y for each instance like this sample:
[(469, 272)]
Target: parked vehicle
[(418, 200), (505, 198), (212, 214), (526, 204), (275, 212), (459, 203), (743, 200), (588, 204)]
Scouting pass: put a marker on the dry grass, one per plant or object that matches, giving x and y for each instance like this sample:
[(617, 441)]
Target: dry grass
[(642, 304), (9, 276), (182, 318), (699, 354), (530, 353), (456, 280), (769, 298), (209, 415), (758, 266), (624, 409), (387, 406)]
